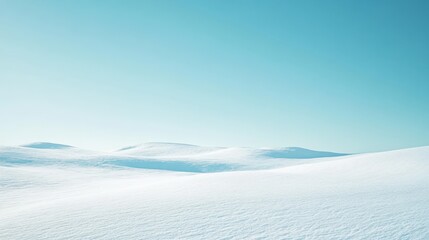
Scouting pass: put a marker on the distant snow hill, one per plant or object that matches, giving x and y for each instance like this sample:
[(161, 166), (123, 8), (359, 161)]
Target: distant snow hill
[(180, 191), (162, 156), (46, 145), (178, 149)]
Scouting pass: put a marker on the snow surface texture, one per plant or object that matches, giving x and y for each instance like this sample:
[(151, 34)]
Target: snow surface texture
[(179, 191)]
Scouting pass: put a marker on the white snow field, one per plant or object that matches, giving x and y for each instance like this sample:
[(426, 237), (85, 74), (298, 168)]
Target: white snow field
[(179, 191)]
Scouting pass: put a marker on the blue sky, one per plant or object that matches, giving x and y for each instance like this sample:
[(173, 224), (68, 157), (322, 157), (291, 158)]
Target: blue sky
[(349, 76)]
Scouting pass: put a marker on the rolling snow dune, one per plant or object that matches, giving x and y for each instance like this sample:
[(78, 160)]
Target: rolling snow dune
[(187, 150), (161, 156), (79, 194)]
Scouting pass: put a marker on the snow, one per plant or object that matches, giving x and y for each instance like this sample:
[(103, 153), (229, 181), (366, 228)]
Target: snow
[(182, 150), (46, 145), (179, 191)]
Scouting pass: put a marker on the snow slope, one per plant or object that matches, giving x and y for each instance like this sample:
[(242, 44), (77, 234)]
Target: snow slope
[(70, 193), (161, 156)]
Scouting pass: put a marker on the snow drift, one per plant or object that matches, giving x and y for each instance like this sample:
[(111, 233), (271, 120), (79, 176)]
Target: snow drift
[(70, 193)]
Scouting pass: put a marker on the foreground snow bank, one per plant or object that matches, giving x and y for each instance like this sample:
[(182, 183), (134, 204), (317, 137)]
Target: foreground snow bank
[(367, 196)]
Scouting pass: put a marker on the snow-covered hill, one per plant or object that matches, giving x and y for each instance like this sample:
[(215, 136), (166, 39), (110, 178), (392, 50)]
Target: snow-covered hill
[(161, 156), (178, 191), (187, 150)]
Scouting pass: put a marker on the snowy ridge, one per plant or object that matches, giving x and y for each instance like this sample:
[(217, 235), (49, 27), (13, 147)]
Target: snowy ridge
[(180, 149), (161, 148), (161, 156), (364, 196)]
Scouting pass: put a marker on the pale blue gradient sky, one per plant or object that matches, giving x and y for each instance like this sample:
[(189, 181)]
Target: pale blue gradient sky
[(349, 76)]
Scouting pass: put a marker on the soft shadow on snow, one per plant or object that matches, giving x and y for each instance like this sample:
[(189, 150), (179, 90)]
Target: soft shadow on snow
[(300, 153), (177, 166), (46, 145)]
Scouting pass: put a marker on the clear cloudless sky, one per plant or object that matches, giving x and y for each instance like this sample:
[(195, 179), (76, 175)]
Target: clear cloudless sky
[(349, 76)]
